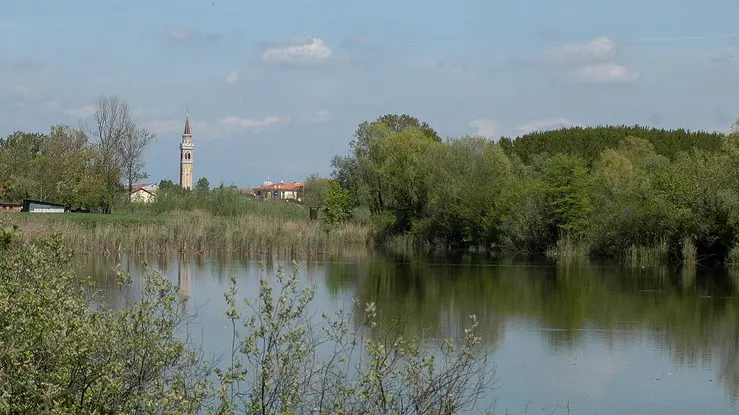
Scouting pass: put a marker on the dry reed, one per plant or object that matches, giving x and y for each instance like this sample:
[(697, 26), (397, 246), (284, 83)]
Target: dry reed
[(194, 233)]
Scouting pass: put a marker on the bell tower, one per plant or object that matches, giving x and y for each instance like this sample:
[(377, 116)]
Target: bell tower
[(186, 148)]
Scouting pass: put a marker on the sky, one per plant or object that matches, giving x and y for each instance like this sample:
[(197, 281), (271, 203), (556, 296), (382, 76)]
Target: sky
[(277, 88)]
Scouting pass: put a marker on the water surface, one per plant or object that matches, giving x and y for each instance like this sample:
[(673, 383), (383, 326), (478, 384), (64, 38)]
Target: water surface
[(588, 339)]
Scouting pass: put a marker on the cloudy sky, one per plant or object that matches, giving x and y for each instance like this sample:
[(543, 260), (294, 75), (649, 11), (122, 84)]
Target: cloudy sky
[(276, 88)]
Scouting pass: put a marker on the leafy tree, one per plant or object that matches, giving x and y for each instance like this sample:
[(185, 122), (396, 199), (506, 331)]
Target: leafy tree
[(468, 178), (357, 170), (316, 189), (339, 204), (202, 185), (168, 186), (399, 122), (19, 164), (566, 186)]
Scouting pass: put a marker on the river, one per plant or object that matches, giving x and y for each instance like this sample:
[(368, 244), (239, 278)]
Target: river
[(578, 340)]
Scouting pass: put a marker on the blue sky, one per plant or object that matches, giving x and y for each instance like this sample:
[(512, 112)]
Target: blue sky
[(277, 88)]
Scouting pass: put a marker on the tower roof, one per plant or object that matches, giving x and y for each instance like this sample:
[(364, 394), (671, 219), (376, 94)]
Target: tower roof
[(187, 126)]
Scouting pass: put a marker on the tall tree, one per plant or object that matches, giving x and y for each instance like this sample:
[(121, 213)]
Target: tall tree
[(358, 170), (203, 185), (19, 156), (316, 189), (66, 160), (110, 125), (133, 145)]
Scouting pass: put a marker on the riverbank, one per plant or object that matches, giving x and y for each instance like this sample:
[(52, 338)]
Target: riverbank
[(193, 232)]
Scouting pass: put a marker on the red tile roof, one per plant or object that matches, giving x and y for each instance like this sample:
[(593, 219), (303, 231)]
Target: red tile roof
[(143, 187)]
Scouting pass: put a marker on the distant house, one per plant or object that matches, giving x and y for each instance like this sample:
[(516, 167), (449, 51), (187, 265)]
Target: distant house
[(143, 193), (39, 206), (280, 191)]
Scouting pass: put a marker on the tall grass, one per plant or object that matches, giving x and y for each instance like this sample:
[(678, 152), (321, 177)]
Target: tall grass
[(733, 257), (194, 232), (688, 251), (569, 249), (222, 201), (647, 256)]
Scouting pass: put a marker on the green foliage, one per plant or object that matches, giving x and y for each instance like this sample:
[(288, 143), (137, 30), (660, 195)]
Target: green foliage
[(274, 368), (316, 189), (589, 142), (58, 166), (6, 236), (617, 192), (202, 185), (566, 190), (220, 201), (61, 167), (338, 205), (59, 354)]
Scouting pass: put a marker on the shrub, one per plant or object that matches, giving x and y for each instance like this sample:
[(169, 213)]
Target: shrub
[(59, 354)]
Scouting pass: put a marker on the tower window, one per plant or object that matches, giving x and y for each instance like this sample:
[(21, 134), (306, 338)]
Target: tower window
[(187, 156)]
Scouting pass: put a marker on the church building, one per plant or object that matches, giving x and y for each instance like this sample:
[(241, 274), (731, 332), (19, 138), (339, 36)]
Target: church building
[(186, 149)]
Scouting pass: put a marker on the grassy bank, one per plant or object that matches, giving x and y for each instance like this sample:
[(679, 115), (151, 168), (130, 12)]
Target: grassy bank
[(192, 232)]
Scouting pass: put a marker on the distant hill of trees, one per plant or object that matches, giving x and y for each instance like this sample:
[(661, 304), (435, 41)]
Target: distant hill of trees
[(589, 142)]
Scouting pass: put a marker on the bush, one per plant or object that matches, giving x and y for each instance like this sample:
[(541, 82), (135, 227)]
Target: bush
[(59, 354), (368, 370)]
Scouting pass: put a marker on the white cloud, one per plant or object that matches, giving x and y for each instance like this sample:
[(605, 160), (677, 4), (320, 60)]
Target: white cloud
[(600, 49), (606, 73), (81, 112), (550, 123), (593, 62), (321, 117), (179, 33), (304, 50), (485, 127), (232, 77), (233, 123)]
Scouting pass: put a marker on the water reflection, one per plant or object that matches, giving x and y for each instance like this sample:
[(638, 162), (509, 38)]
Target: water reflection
[(615, 323)]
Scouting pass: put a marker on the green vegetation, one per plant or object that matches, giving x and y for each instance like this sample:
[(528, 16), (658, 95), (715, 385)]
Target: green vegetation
[(200, 221), (589, 142), (59, 354), (633, 194), (63, 352), (89, 167), (625, 193), (194, 232)]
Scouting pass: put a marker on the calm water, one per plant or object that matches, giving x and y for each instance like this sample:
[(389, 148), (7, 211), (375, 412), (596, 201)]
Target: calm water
[(604, 340)]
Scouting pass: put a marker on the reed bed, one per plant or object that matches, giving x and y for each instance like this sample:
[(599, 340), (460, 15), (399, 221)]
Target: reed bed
[(648, 256), (569, 250), (194, 233)]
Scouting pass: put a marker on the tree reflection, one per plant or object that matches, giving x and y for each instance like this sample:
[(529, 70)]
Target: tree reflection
[(690, 313)]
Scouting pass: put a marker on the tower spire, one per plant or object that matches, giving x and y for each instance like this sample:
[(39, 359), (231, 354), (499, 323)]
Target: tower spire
[(187, 123)]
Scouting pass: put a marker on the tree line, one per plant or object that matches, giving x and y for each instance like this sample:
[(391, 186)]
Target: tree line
[(89, 166), (610, 192)]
